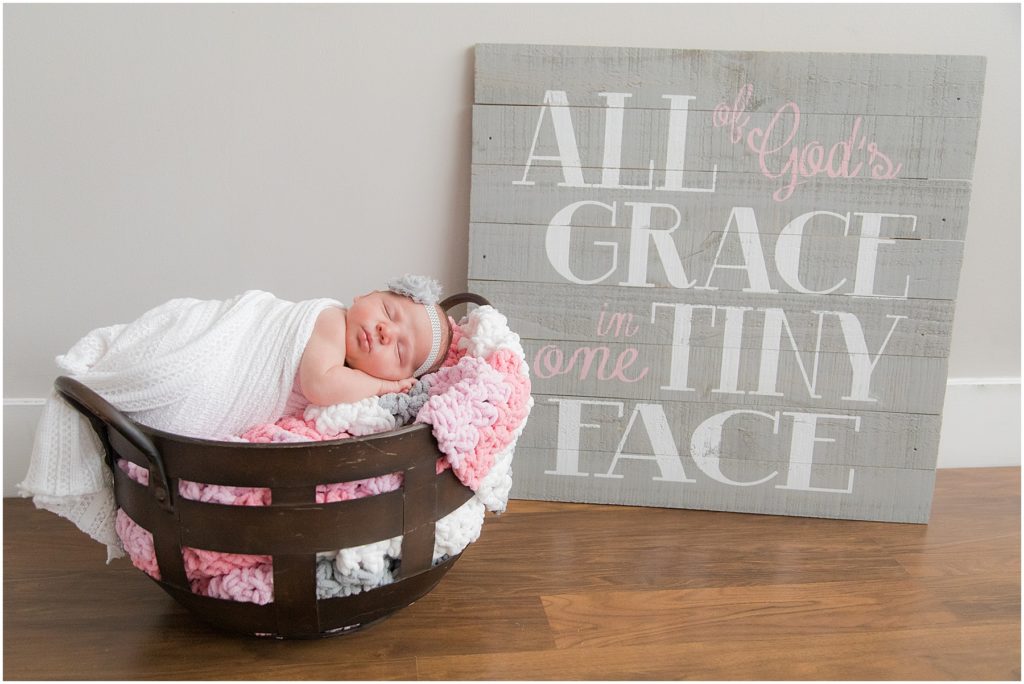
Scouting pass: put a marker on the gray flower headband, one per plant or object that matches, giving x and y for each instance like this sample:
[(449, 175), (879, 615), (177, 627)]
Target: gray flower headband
[(426, 291)]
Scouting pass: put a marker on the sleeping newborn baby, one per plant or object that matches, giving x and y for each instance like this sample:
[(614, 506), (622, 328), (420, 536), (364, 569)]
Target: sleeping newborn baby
[(380, 344), (211, 369)]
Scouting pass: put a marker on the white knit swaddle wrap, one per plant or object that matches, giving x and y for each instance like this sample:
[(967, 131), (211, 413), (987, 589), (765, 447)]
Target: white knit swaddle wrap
[(199, 368)]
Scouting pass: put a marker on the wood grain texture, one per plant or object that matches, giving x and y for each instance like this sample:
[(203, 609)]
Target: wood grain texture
[(893, 494), (895, 440), (826, 264), (941, 206), (942, 147), (902, 384), (580, 591), (904, 85), (882, 655), (924, 326)]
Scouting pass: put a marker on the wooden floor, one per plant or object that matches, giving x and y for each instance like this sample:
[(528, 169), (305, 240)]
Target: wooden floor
[(571, 591)]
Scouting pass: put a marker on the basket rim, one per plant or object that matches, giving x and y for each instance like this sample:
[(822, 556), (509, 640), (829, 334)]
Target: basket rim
[(304, 444)]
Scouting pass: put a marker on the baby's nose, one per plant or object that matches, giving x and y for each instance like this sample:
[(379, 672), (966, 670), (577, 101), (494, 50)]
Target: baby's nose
[(384, 332)]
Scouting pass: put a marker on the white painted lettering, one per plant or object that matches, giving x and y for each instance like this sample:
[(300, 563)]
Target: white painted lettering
[(567, 450), (788, 250), (753, 255), (641, 235), (662, 444), (557, 102), (558, 242), (706, 445), (801, 454)]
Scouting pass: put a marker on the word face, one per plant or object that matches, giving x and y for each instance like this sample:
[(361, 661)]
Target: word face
[(704, 447)]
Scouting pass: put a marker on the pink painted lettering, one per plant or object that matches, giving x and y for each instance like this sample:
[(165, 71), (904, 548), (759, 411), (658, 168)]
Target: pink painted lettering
[(797, 163), (620, 320), (549, 361), (736, 117)]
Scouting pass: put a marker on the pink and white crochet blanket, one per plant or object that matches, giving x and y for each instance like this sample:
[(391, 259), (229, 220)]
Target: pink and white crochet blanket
[(477, 405)]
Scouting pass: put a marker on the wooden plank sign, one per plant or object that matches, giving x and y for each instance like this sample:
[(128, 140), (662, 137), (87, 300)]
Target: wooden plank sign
[(734, 273)]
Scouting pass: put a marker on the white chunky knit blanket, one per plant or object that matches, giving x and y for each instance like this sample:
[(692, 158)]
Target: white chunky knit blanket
[(200, 368)]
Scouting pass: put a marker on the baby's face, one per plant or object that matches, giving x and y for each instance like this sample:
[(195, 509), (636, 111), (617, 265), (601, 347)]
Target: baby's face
[(387, 335)]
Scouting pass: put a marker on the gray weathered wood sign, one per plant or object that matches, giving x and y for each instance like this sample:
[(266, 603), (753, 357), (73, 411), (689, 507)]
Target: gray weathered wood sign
[(734, 273)]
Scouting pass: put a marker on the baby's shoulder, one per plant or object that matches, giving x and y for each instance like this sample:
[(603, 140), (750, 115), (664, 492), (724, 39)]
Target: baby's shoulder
[(330, 325)]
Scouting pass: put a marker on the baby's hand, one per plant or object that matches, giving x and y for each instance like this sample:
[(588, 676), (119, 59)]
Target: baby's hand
[(390, 386)]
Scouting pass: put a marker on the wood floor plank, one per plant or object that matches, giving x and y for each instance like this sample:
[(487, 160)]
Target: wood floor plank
[(577, 591), (969, 535), (965, 558), (49, 537), (978, 653), (608, 547), (163, 632), (329, 670), (444, 621), (187, 650), (620, 618)]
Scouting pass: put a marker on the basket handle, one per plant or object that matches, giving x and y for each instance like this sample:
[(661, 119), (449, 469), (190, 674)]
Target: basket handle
[(97, 410), (462, 298)]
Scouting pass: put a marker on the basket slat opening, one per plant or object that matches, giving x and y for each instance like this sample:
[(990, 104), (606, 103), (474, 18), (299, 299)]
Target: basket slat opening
[(292, 530)]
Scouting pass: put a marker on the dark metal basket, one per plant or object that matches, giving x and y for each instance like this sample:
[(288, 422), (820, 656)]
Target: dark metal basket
[(294, 528)]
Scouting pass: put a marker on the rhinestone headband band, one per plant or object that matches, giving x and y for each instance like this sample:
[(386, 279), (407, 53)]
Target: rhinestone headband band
[(435, 345)]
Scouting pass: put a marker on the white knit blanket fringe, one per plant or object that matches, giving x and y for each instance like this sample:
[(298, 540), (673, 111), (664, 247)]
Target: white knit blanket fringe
[(199, 368)]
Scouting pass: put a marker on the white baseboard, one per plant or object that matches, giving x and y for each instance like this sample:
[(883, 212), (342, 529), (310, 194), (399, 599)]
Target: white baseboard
[(20, 419), (980, 423), (980, 427)]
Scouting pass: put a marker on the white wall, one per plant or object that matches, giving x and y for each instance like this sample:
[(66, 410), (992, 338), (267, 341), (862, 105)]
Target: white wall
[(160, 151)]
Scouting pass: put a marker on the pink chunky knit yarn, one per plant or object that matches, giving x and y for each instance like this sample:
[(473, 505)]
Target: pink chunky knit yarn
[(286, 429), (345, 491), (511, 412), (463, 403), (454, 353), (252, 585), (224, 494), (305, 428), (138, 543), (508, 363), (201, 564)]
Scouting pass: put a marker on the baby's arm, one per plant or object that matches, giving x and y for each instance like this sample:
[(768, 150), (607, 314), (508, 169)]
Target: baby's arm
[(323, 375), (344, 385)]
